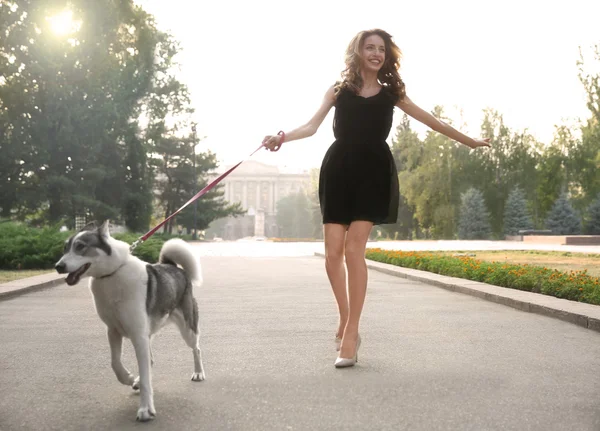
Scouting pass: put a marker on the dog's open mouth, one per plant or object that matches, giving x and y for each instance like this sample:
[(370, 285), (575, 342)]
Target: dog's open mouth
[(75, 276)]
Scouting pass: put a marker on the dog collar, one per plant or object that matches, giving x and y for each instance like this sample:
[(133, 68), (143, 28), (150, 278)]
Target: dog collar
[(112, 273)]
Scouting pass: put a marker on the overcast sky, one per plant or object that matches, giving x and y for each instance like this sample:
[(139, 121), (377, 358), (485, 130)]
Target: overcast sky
[(256, 67)]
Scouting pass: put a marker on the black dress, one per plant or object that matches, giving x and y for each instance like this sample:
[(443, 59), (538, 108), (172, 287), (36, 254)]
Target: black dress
[(358, 178)]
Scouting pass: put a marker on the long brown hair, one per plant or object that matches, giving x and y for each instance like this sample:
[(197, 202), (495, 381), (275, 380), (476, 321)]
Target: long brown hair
[(388, 75)]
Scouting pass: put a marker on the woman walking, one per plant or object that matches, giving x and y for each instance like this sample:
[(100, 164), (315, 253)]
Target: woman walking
[(358, 183)]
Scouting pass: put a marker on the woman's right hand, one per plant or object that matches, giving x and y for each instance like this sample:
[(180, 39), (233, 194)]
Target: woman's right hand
[(272, 142)]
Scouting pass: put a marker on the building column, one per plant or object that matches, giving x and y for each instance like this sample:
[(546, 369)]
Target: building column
[(245, 195), (271, 206), (257, 195)]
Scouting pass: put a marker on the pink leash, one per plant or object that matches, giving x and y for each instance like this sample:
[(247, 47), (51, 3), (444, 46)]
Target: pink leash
[(196, 196)]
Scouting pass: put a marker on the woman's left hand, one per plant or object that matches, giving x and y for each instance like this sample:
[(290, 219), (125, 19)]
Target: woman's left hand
[(272, 142)]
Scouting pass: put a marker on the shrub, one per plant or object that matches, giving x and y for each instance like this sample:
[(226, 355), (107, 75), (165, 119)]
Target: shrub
[(24, 247)]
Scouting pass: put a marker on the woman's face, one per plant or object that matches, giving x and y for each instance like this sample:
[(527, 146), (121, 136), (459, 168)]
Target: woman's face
[(373, 53)]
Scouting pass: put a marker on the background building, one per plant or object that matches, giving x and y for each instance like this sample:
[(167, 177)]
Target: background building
[(258, 187)]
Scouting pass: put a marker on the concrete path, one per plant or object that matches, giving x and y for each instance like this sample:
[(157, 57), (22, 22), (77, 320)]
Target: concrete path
[(431, 359)]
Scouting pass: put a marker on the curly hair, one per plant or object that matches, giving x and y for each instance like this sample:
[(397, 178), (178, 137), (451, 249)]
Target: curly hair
[(388, 75)]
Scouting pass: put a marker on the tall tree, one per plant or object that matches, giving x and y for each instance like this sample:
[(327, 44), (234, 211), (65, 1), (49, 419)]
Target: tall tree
[(592, 223), (562, 218), (560, 169), (74, 73), (171, 140), (431, 179), (516, 213), (405, 146), (587, 158), (510, 161), (474, 216)]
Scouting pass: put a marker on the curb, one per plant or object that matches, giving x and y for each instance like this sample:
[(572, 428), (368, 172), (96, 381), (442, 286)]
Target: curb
[(581, 314), (16, 288)]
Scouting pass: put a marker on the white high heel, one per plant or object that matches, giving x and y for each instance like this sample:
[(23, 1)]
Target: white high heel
[(338, 342), (348, 362)]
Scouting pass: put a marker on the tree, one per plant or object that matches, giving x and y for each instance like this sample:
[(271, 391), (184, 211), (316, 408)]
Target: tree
[(587, 158), (405, 139), (430, 177), (593, 217), (516, 215), (137, 193), (171, 139), (474, 216), (552, 177), (314, 207), (562, 219), (510, 160), (211, 206), (294, 216), (67, 103)]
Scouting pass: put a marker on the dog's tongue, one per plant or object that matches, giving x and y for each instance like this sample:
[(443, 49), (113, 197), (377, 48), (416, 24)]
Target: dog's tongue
[(72, 278)]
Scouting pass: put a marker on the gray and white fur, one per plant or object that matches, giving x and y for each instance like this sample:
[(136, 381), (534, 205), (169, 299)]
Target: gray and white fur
[(136, 299)]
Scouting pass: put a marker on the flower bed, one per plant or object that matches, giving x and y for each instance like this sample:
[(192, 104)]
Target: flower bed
[(573, 285)]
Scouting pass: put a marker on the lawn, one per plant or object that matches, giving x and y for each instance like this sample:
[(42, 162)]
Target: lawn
[(563, 261), (6, 276)]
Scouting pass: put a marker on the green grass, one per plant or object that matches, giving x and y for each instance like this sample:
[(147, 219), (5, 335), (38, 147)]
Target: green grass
[(6, 276)]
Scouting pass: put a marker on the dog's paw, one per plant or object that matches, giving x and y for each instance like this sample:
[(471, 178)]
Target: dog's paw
[(136, 384), (145, 414), (198, 377)]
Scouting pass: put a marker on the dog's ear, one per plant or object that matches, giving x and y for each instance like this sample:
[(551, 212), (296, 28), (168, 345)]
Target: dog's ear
[(89, 226), (103, 229)]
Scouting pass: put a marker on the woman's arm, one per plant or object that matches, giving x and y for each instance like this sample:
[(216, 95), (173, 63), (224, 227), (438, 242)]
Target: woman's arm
[(273, 142), (429, 120)]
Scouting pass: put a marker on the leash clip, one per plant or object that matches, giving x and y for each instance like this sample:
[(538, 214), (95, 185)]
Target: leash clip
[(135, 244)]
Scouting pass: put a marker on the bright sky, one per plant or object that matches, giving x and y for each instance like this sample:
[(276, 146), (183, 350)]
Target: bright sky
[(255, 67)]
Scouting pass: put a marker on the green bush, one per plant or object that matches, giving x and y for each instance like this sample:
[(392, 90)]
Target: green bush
[(572, 285), (24, 247), (149, 250)]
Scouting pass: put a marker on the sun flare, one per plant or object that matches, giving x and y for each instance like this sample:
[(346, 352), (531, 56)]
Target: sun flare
[(63, 23)]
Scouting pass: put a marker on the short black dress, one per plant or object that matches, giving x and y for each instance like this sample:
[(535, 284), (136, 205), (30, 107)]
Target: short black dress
[(358, 178)]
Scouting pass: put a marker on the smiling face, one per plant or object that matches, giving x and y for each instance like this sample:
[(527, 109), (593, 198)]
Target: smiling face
[(372, 53)]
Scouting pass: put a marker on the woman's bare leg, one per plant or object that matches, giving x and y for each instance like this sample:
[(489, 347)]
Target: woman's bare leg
[(334, 237), (356, 243)]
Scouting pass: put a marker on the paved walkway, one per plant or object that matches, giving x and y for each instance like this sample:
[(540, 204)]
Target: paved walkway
[(430, 360)]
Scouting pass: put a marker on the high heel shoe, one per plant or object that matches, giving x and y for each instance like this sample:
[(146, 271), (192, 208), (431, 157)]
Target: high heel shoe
[(348, 362), (338, 342)]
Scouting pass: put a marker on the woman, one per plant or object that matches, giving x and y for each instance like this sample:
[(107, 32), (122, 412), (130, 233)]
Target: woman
[(358, 183)]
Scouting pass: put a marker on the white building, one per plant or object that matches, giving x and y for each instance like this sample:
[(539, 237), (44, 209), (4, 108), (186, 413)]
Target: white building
[(258, 187)]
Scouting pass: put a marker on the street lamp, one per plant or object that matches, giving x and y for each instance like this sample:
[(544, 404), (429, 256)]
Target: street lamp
[(194, 233)]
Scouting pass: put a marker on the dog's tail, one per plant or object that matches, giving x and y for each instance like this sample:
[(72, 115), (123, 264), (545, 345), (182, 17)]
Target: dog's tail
[(177, 251)]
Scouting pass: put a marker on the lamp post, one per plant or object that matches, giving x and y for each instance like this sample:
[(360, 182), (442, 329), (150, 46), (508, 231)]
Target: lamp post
[(194, 234)]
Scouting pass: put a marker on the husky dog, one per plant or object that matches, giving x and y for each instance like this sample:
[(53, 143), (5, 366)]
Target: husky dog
[(135, 299)]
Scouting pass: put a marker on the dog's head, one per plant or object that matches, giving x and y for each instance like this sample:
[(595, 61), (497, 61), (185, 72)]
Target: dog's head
[(88, 247)]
